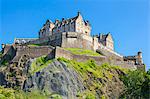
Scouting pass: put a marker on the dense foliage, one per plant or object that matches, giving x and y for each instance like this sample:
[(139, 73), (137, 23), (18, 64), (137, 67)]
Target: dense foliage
[(137, 85), (9, 93)]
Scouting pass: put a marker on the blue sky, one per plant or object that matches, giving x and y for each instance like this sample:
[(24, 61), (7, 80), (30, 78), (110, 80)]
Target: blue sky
[(127, 20)]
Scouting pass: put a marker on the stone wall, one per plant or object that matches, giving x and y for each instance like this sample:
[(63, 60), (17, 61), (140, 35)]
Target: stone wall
[(15, 52), (9, 54), (113, 60), (6, 48), (68, 40), (53, 40), (32, 51), (60, 52), (76, 40)]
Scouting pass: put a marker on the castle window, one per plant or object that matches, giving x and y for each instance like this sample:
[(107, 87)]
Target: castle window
[(85, 32)]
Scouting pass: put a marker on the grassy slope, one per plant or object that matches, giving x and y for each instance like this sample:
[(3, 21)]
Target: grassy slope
[(34, 45), (94, 77), (80, 51), (9, 93), (38, 64), (91, 73)]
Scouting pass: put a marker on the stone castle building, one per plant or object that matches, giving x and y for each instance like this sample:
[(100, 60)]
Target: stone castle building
[(71, 33), (75, 24)]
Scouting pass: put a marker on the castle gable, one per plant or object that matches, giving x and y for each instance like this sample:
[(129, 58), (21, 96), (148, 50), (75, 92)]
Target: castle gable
[(75, 24), (109, 37), (106, 40)]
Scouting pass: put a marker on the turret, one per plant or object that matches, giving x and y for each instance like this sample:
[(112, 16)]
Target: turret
[(139, 57)]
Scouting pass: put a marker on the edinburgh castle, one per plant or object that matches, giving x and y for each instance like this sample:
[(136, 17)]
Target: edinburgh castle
[(74, 32)]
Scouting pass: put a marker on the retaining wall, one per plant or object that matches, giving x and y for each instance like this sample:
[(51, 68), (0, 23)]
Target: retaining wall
[(33, 51), (60, 52)]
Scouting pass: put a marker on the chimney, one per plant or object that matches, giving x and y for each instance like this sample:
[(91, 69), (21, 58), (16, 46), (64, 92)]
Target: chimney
[(100, 36), (63, 19), (78, 13), (56, 21), (3, 45)]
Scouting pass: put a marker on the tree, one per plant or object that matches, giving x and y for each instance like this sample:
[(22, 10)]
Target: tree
[(137, 85)]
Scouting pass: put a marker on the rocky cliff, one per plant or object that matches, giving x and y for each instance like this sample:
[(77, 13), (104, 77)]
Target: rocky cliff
[(67, 78)]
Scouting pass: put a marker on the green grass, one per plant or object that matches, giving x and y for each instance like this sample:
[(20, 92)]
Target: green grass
[(9, 93), (34, 45), (79, 51), (1, 54), (91, 67), (90, 70), (39, 64), (5, 62), (55, 96)]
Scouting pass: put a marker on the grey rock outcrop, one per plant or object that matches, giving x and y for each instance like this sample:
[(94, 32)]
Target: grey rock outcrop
[(56, 78)]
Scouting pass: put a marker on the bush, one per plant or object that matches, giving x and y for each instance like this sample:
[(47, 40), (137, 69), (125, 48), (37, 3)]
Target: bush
[(9, 93), (137, 85), (55, 96)]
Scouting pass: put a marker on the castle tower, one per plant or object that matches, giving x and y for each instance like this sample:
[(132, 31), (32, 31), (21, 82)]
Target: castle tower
[(139, 58)]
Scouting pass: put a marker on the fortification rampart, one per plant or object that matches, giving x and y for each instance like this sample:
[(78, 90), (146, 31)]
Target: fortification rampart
[(68, 40), (60, 52), (32, 51), (111, 59), (8, 54), (53, 40), (36, 51), (77, 40)]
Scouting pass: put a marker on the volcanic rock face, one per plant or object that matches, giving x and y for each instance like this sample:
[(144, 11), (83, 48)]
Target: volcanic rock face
[(56, 78)]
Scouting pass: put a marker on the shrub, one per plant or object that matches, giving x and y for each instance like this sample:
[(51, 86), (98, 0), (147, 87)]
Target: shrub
[(38, 64), (56, 96), (9, 93), (137, 85)]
